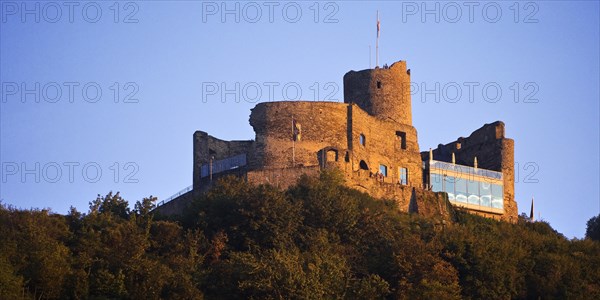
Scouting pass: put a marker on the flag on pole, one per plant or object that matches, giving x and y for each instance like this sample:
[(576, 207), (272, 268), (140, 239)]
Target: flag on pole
[(296, 130)]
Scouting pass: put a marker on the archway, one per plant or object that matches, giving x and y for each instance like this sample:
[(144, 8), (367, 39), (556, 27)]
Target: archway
[(363, 165)]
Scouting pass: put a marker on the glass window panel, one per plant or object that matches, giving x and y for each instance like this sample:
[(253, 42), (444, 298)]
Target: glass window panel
[(485, 192), (383, 170), (460, 186), (460, 169), (486, 200), (497, 196), (473, 192), (449, 187), (436, 183), (403, 176), (497, 190)]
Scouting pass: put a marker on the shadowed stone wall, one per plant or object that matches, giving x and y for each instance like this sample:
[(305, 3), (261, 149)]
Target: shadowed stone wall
[(207, 147)]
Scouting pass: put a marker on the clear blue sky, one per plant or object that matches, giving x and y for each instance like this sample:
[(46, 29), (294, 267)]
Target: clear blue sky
[(166, 56)]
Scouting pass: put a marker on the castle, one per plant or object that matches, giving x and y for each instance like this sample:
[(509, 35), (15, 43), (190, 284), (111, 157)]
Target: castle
[(371, 140)]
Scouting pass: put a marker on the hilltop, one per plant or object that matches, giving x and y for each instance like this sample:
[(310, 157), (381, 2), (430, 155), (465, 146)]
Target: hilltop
[(316, 239)]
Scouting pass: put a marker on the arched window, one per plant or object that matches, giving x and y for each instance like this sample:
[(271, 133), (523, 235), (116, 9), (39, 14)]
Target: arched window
[(363, 165), (362, 139), (332, 155)]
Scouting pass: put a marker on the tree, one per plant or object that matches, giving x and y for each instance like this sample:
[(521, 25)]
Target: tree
[(111, 204), (33, 242), (593, 228), (316, 240), (250, 216), (11, 285)]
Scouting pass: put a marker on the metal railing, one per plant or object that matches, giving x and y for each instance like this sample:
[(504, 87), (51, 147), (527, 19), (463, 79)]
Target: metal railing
[(434, 164), (187, 189)]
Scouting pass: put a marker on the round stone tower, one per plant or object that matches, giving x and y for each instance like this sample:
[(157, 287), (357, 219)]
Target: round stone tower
[(382, 92)]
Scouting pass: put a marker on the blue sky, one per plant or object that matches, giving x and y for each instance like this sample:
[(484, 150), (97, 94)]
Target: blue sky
[(122, 87)]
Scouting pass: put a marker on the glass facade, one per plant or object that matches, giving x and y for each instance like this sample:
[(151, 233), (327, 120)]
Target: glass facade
[(468, 186), (440, 165), (223, 165)]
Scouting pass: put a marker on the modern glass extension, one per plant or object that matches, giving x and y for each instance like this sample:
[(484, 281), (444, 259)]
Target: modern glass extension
[(472, 188)]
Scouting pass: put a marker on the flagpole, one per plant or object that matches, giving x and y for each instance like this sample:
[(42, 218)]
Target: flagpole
[(369, 56), (377, 43), (531, 214)]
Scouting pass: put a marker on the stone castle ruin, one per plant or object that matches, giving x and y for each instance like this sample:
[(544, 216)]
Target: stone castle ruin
[(371, 140)]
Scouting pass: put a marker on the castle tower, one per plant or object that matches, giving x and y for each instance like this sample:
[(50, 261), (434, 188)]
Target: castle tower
[(382, 92)]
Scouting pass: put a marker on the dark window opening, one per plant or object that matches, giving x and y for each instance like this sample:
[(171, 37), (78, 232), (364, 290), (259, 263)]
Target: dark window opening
[(363, 165), (402, 137), (378, 84)]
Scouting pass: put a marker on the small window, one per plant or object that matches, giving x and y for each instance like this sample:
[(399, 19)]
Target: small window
[(383, 170), (402, 139), (363, 165), (403, 176), (378, 84), (363, 139)]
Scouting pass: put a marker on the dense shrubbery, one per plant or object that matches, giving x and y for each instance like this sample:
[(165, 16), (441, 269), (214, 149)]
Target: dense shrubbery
[(316, 240)]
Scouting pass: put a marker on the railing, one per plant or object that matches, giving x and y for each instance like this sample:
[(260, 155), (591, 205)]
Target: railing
[(187, 189), (434, 164), (223, 165)]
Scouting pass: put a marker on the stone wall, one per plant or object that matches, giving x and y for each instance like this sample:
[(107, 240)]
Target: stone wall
[(331, 133), (407, 198), (323, 125), (207, 147), (176, 206), (383, 145), (281, 177)]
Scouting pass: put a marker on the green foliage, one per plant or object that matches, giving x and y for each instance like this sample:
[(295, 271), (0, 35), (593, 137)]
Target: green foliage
[(593, 228), (250, 216), (316, 240), (11, 284)]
